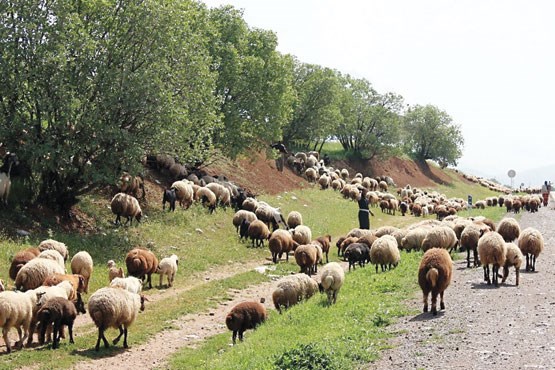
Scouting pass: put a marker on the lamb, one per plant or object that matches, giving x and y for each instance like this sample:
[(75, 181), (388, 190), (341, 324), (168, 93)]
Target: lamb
[(168, 267), (20, 259), (241, 215), (16, 310), (294, 219), (434, 275), (114, 308), (170, 197), (332, 279), (10, 160), (509, 229), (324, 242), (281, 242), (385, 252), (293, 289), (34, 272), (440, 237), (126, 206), (130, 283), (131, 185), (243, 316), (141, 263), (306, 257), (77, 282), (492, 250), (82, 264), (55, 245), (54, 256), (514, 258), (531, 244), (357, 252), (58, 311), (302, 234), (114, 271), (469, 241), (258, 231)]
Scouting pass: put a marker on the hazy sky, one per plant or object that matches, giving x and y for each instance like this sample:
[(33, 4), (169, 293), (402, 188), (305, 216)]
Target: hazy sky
[(488, 64)]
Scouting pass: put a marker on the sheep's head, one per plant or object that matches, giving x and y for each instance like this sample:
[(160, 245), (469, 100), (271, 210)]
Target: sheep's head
[(143, 300)]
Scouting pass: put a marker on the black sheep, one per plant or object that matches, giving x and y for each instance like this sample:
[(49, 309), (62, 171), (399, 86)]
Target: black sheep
[(169, 196), (357, 252)]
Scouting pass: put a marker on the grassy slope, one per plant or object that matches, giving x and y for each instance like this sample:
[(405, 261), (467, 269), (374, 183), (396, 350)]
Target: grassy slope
[(203, 241)]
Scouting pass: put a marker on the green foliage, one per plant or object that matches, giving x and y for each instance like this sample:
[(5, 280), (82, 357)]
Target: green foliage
[(305, 357), (431, 134)]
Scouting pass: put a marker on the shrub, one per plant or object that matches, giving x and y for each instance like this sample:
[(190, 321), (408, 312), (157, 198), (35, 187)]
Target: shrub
[(305, 357)]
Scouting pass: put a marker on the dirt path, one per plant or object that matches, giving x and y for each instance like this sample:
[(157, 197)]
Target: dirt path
[(483, 327)]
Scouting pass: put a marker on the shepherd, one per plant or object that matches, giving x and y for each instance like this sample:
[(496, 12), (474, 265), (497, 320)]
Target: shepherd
[(283, 152), (546, 188), (363, 211)]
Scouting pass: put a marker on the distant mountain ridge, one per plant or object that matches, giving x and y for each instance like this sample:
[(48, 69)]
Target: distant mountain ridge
[(530, 177)]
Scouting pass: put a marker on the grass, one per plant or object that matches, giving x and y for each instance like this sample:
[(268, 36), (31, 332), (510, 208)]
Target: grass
[(352, 332)]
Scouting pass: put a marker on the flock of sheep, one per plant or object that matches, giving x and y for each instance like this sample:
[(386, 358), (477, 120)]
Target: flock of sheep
[(47, 298)]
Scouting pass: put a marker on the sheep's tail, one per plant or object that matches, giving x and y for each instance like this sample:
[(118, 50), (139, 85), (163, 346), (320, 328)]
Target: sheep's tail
[(431, 276), (327, 282)]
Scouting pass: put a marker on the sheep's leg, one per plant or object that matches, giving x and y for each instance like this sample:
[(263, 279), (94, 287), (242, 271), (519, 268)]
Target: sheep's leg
[(125, 338), (32, 328), (19, 344), (58, 327), (476, 258), (70, 330), (517, 275), (434, 302), (234, 336), (505, 273), (425, 300), (42, 334), (241, 335), (533, 259), (327, 260), (6, 340), (121, 332), (103, 337), (486, 274), (160, 285), (527, 262), (149, 281), (495, 273), (441, 303), (468, 258)]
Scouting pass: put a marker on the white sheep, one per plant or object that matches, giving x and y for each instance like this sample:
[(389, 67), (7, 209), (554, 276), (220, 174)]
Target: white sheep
[(16, 310), (183, 193), (34, 272), (531, 244), (492, 251), (131, 284), (168, 267), (250, 204), (414, 237), (127, 206), (440, 237), (56, 245), (385, 252), (292, 289), (241, 215), (332, 279), (114, 271), (302, 234), (53, 255), (82, 264), (114, 308), (294, 219)]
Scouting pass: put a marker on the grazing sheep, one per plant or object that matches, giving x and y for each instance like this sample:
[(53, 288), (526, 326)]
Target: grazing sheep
[(332, 279), (114, 308), (131, 283), (241, 215), (184, 193), (509, 229), (141, 263), (440, 237), (302, 234), (170, 197), (413, 239), (434, 275), (311, 175), (492, 251), (16, 311), (469, 241), (131, 185), (82, 263), (244, 316), (34, 272), (114, 271), (306, 256), (293, 289), (281, 242), (344, 244), (55, 245), (531, 244), (54, 256), (324, 242), (357, 252), (126, 206), (294, 219), (77, 282), (20, 259), (258, 231), (359, 233), (168, 267), (514, 258), (244, 229), (324, 181), (270, 215), (207, 198), (58, 311), (250, 204), (385, 252), (223, 196)]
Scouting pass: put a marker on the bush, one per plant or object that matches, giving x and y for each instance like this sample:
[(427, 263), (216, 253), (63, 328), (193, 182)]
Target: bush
[(305, 357)]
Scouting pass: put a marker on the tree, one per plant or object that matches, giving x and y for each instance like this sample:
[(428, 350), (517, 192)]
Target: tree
[(371, 121), (431, 134), (254, 83), (87, 87), (316, 107)]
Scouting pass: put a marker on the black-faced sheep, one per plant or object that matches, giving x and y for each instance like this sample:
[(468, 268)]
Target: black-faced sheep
[(59, 312), (244, 316), (357, 252), (114, 308), (531, 244), (20, 259), (270, 215), (131, 185), (281, 242), (141, 263), (509, 229), (514, 258), (306, 257), (258, 231), (82, 264), (332, 279), (170, 197), (184, 193), (492, 251), (241, 215), (385, 252), (434, 275), (16, 310), (293, 289), (126, 206)]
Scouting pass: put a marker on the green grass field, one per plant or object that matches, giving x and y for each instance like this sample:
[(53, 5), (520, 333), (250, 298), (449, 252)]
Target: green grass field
[(349, 333)]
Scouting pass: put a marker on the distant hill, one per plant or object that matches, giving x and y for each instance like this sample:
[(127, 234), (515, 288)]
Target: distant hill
[(533, 177)]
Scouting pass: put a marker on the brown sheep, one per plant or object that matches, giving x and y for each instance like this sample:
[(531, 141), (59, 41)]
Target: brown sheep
[(141, 262), (59, 311), (258, 231), (434, 275), (131, 185), (346, 242), (20, 259), (281, 242), (509, 229), (306, 257), (243, 316), (324, 242), (127, 206), (492, 251), (531, 244), (77, 282)]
